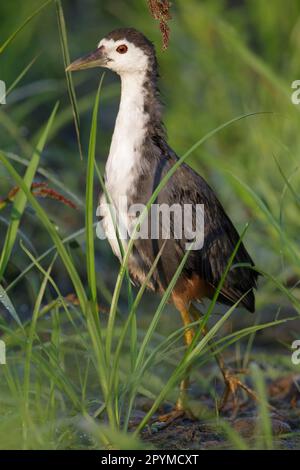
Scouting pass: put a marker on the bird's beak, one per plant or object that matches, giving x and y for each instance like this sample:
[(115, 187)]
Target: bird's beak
[(93, 59)]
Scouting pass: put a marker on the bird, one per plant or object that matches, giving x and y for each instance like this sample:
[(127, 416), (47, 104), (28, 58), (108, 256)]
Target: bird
[(138, 160)]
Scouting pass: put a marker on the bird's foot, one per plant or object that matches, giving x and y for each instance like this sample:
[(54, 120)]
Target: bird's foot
[(178, 412), (170, 417), (232, 385)]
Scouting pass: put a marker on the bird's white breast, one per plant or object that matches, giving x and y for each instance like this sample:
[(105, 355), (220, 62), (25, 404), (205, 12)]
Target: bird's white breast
[(123, 164)]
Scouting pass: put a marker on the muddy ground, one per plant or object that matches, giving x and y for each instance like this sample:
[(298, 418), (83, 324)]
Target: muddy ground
[(205, 432)]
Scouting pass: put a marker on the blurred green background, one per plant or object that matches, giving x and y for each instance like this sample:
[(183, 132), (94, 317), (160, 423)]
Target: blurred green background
[(225, 58)]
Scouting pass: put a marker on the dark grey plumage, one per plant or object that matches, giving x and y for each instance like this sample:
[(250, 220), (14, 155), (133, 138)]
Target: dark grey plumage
[(185, 186), (138, 159)]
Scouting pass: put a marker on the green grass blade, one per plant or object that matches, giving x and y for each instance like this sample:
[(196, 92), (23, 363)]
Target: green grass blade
[(66, 58), (13, 130), (156, 317), (235, 438), (20, 76), (50, 228), (19, 29), (27, 365), (49, 176), (288, 244), (149, 333), (287, 182), (7, 303), (264, 412), (89, 209), (186, 361), (20, 200), (60, 299), (163, 182), (194, 349)]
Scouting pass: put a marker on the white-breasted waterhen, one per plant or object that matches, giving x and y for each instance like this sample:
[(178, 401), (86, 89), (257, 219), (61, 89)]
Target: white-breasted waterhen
[(139, 158)]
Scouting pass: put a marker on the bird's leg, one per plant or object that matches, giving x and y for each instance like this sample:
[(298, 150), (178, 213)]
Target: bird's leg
[(181, 403), (181, 407), (232, 382)]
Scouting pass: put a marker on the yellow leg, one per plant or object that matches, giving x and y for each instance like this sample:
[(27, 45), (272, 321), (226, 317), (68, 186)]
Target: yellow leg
[(181, 407), (181, 403)]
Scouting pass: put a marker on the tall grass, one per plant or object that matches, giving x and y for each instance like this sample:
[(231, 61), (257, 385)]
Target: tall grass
[(74, 373)]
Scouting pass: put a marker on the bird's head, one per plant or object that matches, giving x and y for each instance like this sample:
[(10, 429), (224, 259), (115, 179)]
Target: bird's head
[(124, 51)]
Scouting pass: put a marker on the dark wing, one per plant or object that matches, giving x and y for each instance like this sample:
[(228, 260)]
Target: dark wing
[(220, 238)]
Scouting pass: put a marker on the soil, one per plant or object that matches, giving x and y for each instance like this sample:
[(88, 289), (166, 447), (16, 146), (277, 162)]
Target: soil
[(206, 432)]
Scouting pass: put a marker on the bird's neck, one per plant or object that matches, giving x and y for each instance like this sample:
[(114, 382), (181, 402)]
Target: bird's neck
[(140, 101), (138, 120)]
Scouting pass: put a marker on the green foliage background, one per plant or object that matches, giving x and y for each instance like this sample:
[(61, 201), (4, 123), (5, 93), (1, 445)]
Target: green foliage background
[(225, 58)]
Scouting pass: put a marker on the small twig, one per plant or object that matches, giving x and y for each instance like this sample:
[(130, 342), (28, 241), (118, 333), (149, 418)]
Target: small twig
[(38, 190), (160, 10), (73, 300)]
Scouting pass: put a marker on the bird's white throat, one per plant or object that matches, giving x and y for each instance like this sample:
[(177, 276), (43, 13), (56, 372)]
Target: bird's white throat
[(129, 133), (123, 163)]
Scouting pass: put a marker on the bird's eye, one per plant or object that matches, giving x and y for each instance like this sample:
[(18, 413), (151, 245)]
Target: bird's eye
[(122, 49)]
